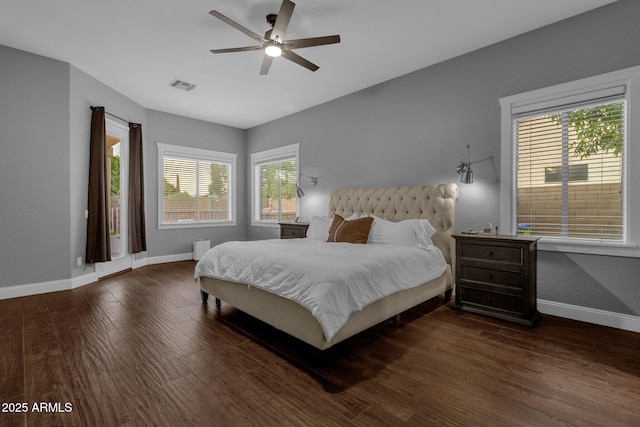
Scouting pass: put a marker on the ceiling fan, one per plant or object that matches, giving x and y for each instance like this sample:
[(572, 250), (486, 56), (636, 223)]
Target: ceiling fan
[(273, 43)]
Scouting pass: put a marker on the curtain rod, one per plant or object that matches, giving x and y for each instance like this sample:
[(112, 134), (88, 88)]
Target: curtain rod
[(92, 108)]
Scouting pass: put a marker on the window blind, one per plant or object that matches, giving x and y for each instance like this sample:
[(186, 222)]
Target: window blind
[(569, 168), (195, 190)]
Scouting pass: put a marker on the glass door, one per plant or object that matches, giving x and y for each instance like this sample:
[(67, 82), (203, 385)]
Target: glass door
[(117, 146)]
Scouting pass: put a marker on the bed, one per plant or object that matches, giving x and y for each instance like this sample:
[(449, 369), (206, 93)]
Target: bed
[(435, 203)]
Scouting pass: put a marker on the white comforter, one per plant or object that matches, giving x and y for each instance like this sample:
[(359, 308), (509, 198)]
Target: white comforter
[(331, 280)]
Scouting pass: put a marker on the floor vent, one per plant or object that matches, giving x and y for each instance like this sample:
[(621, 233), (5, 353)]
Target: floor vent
[(182, 85)]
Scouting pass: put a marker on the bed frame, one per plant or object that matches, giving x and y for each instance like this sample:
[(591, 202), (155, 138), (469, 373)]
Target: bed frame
[(433, 202)]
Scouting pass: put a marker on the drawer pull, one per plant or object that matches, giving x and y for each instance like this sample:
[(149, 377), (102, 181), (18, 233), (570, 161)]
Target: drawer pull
[(490, 253), (489, 276), (489, 300)]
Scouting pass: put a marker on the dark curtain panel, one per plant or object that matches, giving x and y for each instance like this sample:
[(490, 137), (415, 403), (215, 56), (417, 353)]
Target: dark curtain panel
[(137, 232), (98, 243)]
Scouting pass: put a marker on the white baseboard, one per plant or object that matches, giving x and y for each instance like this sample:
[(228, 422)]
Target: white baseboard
[(590, 315), (46, 287), (85, 279), (137, 263), (75, 282)]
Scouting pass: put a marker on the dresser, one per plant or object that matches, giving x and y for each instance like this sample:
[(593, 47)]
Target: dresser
[(293, 230), (495, 275)]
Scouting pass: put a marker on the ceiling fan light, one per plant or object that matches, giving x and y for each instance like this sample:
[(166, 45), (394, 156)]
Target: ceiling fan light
[(273, 51)]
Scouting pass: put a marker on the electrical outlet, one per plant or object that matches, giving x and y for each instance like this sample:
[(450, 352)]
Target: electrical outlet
[(79, 261)]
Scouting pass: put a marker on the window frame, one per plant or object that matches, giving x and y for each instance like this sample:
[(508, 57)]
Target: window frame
[(510, 105), (197, 154), (269, 156)]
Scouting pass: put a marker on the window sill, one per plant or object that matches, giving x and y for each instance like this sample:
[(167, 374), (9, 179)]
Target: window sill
[(196, 225), (595, 247), (272, 224)]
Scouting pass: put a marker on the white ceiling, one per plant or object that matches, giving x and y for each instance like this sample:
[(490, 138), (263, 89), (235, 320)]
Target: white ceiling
[(138, 47)]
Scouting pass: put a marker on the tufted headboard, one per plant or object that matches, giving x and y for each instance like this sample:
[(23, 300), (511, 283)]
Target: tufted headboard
[(433, 202)]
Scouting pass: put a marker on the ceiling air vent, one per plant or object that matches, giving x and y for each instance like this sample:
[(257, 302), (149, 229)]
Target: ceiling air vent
[(179, 84)]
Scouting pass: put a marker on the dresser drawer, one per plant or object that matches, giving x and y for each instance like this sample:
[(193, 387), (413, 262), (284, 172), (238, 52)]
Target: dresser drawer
[(293, 230), (493, 300), (491, 276), (509, 254)]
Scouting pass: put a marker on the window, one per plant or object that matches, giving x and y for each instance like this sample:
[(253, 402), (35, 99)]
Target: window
[(274, 178), (195, 187), (550, 201), (565, 157)]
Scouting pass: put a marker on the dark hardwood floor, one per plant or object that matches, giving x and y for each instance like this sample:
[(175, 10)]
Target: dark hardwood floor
[(140, 349)]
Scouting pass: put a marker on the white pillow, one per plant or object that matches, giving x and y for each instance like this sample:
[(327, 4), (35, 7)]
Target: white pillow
[(319, 228), (427, 230), (410, 232)]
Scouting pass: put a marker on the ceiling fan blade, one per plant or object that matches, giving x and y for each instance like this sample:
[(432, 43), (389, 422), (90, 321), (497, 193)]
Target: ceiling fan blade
[(266, 64), (237, 26), (237, 49), (293, 57), (282, 22), (313, 41)]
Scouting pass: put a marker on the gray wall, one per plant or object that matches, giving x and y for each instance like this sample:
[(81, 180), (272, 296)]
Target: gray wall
[(171, 129), (414, 129), (44, 160), (34, 168)]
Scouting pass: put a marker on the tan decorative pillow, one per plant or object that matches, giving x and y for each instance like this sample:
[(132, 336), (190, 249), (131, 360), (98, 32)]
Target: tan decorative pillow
[(355, 231)]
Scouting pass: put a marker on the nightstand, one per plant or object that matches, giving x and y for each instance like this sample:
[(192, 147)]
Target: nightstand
[(293, 230), (496, 276)]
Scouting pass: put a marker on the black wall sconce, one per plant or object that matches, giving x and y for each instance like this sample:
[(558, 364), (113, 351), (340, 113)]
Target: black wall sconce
[(464, 168)]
